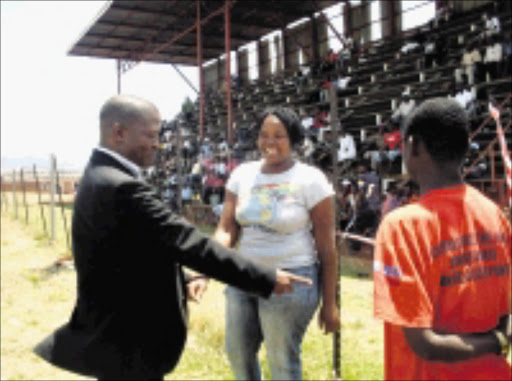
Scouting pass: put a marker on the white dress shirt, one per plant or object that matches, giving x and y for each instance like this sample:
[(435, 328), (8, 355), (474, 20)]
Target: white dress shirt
[(134, 168)]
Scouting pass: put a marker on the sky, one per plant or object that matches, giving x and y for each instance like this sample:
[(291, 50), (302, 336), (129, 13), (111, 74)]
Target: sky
[(50, 101)]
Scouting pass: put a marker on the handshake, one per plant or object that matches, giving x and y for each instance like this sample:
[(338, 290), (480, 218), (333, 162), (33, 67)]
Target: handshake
[(284, 283)]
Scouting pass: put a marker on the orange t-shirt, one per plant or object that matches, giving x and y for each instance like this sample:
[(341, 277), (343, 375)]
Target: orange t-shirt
[(443, 262)]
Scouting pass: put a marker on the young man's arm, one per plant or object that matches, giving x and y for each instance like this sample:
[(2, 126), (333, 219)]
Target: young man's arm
[(453, 347)]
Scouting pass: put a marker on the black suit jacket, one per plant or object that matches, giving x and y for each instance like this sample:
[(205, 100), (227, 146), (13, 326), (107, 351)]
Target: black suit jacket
[(130, 316)]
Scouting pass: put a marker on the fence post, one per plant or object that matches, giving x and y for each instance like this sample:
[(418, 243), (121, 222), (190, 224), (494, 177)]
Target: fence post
[(15, 202), (336, 341), (4, 197), (52, 198), (64, 220), (22, 179), (41, 207)]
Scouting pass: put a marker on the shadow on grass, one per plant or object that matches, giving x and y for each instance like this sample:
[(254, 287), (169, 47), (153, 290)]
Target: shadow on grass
[(57, 267)]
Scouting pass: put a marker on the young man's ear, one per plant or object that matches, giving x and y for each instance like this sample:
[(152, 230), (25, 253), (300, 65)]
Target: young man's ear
[(415, 144)]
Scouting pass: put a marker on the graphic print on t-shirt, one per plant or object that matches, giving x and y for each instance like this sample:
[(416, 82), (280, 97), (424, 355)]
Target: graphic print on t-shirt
[(267, 205)]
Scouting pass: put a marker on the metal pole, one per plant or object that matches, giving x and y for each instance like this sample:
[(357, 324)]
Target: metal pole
[(14, 200), (199, 46), (227, 35), (179, 169), (333, 99), (493, 163), (4, 199), (24, 195), (119, 76), (52, 198), (39, 200), (63, 213)]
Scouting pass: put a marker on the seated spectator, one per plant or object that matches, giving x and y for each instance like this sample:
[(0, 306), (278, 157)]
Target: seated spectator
[(324, 90), (370, 183), (220, 167), (492, 58), (408, 192), (430, 52), (299, 79), (307, 149), (389, 149), (329, 62), (405, 107), (187, 149), (364, 221), (319, 121), (206, 148), (345, 53), (306, 120), (464, 96), (346, 148), (186, 193), (374, 147), (409, 47), (343, 81), (196, 174), (391, 201), (345, 204), (468, 64), (492, 25), (213, 187), (473, 167)]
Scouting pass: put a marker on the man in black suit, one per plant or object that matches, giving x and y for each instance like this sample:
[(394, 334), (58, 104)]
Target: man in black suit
[(130, 317)]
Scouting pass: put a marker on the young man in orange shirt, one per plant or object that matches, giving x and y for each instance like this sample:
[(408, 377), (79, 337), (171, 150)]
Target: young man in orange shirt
[(442, 271)]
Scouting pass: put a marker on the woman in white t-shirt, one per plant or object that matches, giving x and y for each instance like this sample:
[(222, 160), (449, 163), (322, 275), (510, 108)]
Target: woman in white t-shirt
[(280, 211)]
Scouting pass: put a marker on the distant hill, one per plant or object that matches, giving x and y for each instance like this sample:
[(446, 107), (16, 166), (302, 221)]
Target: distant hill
[(27, 162)]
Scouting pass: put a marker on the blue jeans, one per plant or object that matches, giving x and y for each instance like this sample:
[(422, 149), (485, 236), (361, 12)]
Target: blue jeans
[(279, 321)]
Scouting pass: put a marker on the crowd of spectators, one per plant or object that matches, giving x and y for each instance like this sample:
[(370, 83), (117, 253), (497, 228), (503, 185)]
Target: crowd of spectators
[(366, 163)]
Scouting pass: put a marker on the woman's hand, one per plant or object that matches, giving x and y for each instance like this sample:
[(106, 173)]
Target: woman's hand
[(329, 319)]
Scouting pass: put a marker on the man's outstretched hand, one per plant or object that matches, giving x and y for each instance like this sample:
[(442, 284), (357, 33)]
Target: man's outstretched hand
[(284, 281)]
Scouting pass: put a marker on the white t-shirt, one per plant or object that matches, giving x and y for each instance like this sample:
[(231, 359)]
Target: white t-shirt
[(347, 148), (274, 212), (307, 122)]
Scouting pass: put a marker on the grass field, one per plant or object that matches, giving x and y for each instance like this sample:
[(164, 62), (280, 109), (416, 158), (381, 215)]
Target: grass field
[(37, 296)]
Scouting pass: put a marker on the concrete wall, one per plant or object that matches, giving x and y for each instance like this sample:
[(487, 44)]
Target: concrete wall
[(211, 78), (243, 65), (278, 46), (263, 59), (391, 26), (323, 43), (361, 18)]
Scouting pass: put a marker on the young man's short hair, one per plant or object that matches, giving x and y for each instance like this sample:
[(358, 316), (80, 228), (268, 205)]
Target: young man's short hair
[(442, 125)]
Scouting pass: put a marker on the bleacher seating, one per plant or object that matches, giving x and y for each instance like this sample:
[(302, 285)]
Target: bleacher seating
[(377, 81)]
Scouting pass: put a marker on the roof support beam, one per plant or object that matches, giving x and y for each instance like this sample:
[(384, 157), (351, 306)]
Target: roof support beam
[(199, 49), (184, 77), (180, 35), (227, 30), (177, 37)]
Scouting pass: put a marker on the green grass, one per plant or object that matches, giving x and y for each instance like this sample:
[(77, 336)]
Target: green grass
[(36, 297)]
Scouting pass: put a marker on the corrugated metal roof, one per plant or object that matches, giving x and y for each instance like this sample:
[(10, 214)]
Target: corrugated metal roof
[(144, 30)]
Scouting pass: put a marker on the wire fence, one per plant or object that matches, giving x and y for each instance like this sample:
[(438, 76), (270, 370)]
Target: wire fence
[(42, 200)]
